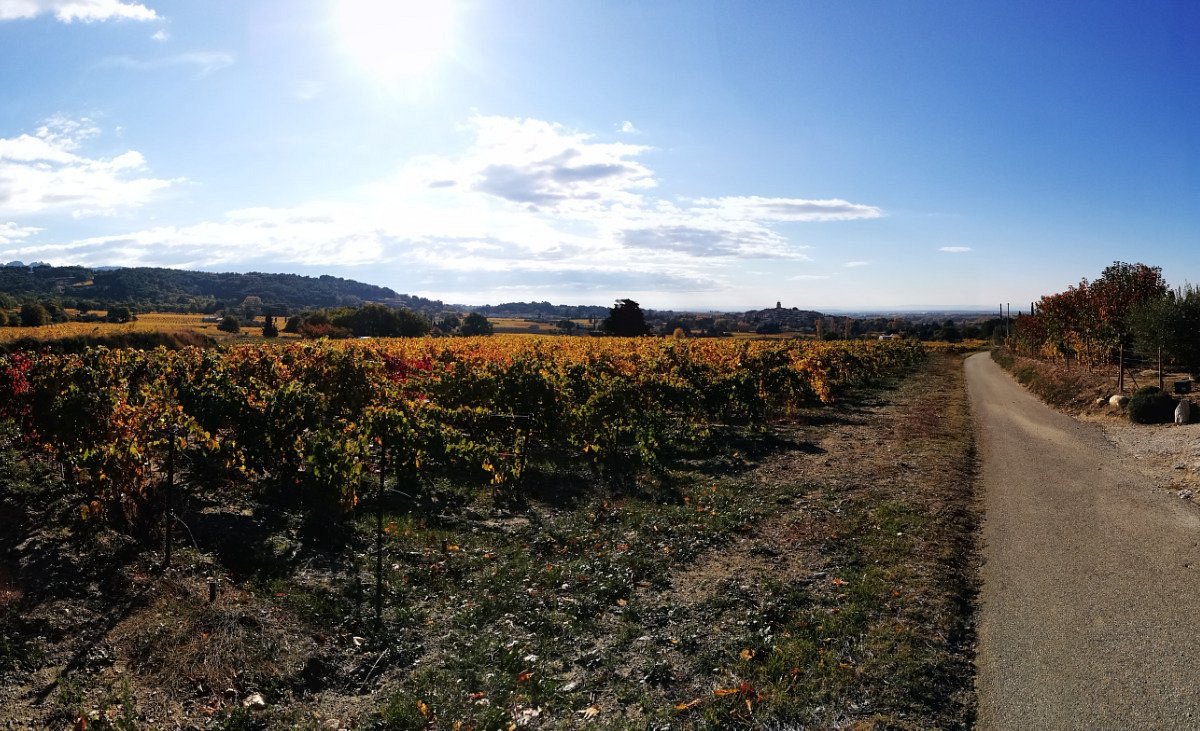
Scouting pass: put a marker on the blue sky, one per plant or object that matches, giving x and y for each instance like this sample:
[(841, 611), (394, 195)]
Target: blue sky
[(687, 154)]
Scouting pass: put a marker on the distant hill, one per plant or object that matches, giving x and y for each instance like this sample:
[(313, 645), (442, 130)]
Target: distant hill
[(179, 290), (540, 311), (790, 318)]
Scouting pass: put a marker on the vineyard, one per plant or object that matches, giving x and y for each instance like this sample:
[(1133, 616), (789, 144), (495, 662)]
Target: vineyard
[(502, 496), (313, 419)]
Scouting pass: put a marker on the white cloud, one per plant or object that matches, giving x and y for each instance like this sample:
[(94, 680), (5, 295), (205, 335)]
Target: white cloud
[(204, 62), (69, 11), (43, 173), (527, 203), (955, 249), (627, 127), (544, 165), (788, 209), (161, 36), (854, 264), (809, 277), (10, 232)]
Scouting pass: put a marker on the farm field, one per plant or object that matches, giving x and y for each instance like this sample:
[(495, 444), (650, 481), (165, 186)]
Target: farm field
[(152, 322), (699, 535)]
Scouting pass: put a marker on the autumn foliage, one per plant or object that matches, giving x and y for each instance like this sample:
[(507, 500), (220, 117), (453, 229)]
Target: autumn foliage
[(307, 417), (1090, 322)]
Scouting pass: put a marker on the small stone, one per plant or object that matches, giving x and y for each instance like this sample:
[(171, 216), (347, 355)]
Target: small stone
[(255, 702), (1119, 399), (1186, 494)]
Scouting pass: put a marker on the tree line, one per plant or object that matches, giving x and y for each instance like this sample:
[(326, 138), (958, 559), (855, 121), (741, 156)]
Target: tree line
[(1128, 310)]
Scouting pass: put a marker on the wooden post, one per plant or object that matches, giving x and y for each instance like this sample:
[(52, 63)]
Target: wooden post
[(167, 515), (1160, 373), (379, 536), (1121, 367)]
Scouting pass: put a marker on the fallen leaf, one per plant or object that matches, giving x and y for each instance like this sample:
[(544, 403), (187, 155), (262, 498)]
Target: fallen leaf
[(689, 705), (423, 708), (590, 712), (747, 655), (622, 602), (725, 691), (524, 676), (839, 582)]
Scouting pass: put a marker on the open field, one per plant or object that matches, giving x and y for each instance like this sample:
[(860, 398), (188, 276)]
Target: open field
[(817, 572), (165, 322)]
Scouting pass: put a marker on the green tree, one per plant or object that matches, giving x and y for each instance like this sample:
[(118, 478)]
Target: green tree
[(1184, 345), (476, 324), (120, 314), (229, 324), (33, 314), (1120, 288), (381, 321), (270, 329), (1155, 325), (949, 332), (251, 307), (625, 319)]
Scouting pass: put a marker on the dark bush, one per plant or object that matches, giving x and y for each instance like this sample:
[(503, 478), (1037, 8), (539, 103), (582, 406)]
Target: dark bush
[(1150, 405), (229, 324)]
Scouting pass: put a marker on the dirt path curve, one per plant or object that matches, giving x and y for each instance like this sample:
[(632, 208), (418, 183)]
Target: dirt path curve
[(1091, 578)]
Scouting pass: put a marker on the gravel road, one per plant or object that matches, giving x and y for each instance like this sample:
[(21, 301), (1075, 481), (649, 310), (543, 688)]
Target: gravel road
[(1091, 577)]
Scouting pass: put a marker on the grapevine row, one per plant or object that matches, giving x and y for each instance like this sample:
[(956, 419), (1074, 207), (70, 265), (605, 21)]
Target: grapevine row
[(307, 418)]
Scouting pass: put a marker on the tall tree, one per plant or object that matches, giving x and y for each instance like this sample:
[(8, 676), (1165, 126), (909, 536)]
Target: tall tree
[(1120, 288), (1154, 325), (626, 319), (476, 324)]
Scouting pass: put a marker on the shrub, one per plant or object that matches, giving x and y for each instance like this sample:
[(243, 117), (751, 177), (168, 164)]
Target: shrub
[(1151, 405), (229, 324), (34, 315)]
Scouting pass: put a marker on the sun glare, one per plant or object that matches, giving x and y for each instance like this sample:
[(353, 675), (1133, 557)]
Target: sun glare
[(395, 40)]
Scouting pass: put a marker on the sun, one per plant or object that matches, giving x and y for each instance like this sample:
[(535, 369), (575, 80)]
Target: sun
[(395, 40)]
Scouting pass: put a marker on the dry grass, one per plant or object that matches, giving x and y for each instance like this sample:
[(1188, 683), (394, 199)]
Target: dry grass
[(195, 648)]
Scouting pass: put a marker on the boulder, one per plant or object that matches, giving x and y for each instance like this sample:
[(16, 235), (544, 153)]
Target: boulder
[(1183, 412), (1119, 400)]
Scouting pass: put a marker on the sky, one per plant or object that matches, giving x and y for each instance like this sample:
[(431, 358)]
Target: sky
[(689, 155)]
